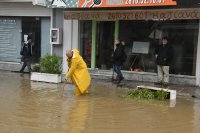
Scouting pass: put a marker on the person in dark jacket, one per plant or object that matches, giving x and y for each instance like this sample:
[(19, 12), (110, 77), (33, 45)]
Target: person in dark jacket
[(163, 54), (118, 59), (26, 53)]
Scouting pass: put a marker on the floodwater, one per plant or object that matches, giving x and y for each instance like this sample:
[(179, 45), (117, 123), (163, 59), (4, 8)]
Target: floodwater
[(33, 107)]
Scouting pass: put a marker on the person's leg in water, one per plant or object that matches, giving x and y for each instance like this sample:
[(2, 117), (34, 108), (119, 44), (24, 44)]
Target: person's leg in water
[(78, 92)]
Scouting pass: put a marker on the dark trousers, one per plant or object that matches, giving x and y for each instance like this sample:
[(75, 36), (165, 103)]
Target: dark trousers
[(27, 62), (117, 69)]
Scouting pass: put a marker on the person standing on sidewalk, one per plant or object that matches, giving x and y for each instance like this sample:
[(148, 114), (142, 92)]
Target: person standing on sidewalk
[(119, 57), (26, 53), (163, 54)]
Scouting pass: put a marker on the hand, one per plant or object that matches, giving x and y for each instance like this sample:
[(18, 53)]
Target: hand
[(65, 82), (156, 56)]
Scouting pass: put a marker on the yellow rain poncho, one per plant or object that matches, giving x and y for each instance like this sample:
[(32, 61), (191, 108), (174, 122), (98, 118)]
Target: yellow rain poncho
[(78, 72)]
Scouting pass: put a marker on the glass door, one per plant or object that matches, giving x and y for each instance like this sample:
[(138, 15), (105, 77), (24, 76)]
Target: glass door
[(104, 44)]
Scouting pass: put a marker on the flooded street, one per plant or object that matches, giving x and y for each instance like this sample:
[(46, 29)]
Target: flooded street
[(34, 107)]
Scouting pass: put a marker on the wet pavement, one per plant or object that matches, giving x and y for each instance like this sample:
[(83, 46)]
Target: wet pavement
[(36, 107)]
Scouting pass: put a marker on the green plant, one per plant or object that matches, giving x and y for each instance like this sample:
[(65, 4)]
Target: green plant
[(50, 64), (161, 95), (144, 94), (36, 68)]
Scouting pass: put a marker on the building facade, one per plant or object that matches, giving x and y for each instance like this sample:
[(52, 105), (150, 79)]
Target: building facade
[(91, 27), (18, 19)]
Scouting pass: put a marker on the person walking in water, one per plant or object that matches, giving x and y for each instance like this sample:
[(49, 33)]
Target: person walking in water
[(78, 72)]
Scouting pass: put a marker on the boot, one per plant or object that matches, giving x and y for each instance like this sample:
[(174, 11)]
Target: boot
[(120, 78)]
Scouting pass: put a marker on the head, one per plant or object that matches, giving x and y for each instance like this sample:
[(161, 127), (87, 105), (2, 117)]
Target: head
[(164, 40), (69, 54), (117, 41)]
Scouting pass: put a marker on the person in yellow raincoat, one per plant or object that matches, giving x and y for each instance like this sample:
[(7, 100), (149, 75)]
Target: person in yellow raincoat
[(78, 72)]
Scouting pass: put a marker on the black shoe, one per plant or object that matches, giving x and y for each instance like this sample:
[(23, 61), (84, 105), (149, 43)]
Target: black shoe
[(121, 78), (165, 85), (22, 74)]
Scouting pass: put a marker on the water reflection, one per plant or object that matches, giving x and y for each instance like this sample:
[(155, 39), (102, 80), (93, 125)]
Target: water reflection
[(34, 107), (78, 114), (196, 108)]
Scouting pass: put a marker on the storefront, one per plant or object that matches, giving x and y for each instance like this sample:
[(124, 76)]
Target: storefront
[(140, 27), (17, 20), (92, 26)]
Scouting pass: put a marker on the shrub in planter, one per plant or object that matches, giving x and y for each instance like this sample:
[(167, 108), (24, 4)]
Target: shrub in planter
[(48, 69), (145, 94), (49, 64)]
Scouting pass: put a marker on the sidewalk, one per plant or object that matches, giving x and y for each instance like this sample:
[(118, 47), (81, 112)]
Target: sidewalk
[(187, 91)]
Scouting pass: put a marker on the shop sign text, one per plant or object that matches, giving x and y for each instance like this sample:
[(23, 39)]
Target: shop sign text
[(135, 15)]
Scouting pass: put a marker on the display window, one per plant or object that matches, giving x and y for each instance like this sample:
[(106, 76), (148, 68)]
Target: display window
[(182, 36), (141, 38)]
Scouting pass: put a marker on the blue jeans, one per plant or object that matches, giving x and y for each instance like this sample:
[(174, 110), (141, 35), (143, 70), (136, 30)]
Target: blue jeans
[(117, 69)]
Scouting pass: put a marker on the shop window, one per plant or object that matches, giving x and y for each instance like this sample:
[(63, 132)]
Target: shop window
[(104, 44), (182, 34), (86, 41)]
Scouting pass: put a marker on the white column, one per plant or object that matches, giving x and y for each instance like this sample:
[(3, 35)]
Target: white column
[(70, 39), (198, 60), (75, 35)]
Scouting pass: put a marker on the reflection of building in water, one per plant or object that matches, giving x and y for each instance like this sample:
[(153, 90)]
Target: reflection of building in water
[(196, 108)]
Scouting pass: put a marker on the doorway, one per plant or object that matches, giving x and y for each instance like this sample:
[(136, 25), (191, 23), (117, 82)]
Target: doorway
[(32, 26), (104, 44)]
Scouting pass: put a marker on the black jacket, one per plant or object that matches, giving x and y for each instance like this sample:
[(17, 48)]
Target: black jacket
[(26, 50), (165, 54), (119, 55)]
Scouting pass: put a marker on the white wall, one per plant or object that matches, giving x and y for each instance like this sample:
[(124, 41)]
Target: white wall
[(198, 60), (23, 9), (70, 39)]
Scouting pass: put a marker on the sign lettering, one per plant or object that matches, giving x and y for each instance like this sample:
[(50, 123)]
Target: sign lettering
[(134, 15)]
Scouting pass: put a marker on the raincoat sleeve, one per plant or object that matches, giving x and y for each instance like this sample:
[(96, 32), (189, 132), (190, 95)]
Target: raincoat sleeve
[(72, 68)]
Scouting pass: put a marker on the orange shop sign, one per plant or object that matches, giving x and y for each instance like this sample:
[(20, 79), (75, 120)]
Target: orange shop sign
[(124, 3), (107, 3)]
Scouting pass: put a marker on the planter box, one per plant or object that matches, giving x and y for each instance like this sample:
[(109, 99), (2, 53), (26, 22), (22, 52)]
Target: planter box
[(46, 77), (171, 92)]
